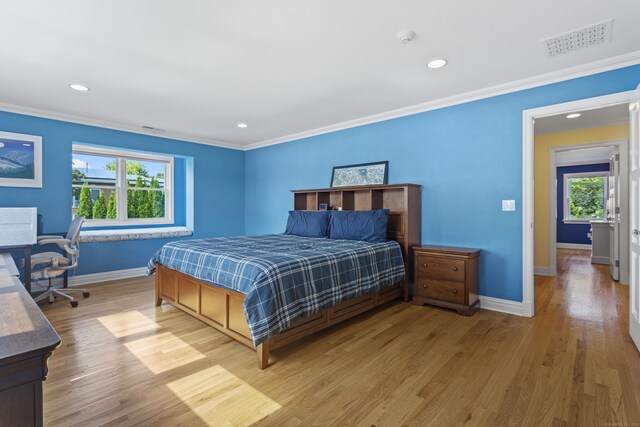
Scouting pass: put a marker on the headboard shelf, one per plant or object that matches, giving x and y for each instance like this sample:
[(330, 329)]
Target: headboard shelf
[(402, 200)]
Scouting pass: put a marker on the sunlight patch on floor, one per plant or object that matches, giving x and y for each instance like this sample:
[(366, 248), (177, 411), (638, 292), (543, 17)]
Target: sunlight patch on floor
[(219, 397), (127, 323), (163, 352)]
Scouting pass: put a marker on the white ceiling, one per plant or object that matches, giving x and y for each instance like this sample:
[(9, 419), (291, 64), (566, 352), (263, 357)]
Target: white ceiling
[(592, 118), (197, 68), (584, 156)]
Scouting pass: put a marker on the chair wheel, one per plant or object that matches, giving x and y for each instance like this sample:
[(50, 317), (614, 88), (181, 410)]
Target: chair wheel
[(86, 294), (73, 303)]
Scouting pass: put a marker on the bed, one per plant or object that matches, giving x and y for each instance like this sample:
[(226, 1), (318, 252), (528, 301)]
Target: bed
[(268, 291)]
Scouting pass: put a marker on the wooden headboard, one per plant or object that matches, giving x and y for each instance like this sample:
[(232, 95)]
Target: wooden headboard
[(402, 200)]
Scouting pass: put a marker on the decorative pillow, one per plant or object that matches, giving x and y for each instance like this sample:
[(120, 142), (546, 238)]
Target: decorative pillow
[(308, 223), (368, 226)]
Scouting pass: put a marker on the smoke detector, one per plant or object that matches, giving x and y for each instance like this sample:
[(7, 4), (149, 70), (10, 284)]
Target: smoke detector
[(578, 39), (406, 36)]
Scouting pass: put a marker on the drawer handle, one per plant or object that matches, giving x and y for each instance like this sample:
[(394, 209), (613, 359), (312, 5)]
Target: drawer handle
[(455, 268), (424, 286), (424, 265), (455, 291)]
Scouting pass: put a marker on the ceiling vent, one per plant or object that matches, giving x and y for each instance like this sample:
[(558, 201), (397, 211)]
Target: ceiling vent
[(578, 39), (152, 129)]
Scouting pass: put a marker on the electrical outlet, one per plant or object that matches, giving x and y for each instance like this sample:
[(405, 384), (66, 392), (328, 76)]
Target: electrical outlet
[(508, 205)]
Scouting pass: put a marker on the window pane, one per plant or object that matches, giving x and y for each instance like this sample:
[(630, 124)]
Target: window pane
[(94, 203), (94, 182), (145, 203), (94, 170), (150, 174), (586, 197)]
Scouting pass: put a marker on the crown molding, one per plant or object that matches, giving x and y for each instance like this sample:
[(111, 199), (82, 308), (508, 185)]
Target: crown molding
[(90, 121), (601, 66), (596, 67)]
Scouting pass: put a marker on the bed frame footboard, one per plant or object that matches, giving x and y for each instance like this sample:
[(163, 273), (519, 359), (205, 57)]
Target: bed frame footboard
[(222, 309)]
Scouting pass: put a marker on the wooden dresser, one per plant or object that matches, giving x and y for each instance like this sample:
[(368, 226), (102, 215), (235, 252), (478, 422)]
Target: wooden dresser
[(27, 340), (447, 277)]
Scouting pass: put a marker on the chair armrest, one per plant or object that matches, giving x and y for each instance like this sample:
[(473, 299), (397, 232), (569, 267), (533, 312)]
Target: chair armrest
[(47, 237), (58, 241)]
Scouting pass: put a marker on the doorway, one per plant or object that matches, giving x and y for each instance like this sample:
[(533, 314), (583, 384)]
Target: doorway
[(531, 118), (588, 200)]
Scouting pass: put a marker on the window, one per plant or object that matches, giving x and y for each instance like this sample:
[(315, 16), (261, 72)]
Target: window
[(112, 187), (585, 196)]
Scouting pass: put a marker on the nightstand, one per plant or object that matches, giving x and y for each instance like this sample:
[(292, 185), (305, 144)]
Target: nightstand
[(447, 277)]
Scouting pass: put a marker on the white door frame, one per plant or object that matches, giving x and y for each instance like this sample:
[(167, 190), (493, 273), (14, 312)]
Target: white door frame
[(623, 149), (528, 117)]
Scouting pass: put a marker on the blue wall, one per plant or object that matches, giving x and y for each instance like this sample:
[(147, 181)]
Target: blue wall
[(218, 186), (467, 157), (572, 233)]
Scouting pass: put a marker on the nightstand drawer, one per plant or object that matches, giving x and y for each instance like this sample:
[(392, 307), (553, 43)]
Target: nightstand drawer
[(443, 290), (440, 268)]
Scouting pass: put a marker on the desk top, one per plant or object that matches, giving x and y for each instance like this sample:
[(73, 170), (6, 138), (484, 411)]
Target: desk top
[(7, 266), (24, 330)]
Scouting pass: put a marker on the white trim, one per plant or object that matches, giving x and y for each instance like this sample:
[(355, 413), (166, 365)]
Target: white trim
[(528, 139), (608, 64), (106, 124), (121, 157), (600, 260), (107, 276), (566, 211), (543, 271), (573, 246), (579, 163), (502, 305)]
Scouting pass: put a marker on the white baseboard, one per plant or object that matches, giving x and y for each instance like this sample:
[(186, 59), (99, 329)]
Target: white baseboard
[(573, 246), (87, 279), (600, 260), (487, 303), (502, 305), (542, 271)]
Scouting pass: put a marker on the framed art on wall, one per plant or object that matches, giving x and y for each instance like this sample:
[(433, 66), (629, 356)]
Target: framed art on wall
[(362, 174), (20, 160)]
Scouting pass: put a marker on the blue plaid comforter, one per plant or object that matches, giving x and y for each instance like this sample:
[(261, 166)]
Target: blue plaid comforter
[(285, 277)]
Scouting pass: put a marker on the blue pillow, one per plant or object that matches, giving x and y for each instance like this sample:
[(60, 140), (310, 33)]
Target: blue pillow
[(308, 223), (368, 226)]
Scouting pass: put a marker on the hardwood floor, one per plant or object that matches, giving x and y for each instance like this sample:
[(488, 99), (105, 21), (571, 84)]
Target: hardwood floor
[(572, 364)]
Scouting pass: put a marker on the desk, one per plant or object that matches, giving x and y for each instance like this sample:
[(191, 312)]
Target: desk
[(27, 339), (8, 267), (27, 262)]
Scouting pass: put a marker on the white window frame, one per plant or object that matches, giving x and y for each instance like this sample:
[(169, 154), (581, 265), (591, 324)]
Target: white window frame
[(566, 218), (121, 157)]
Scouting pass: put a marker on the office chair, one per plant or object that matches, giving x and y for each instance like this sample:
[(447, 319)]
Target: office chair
[(49, 265)]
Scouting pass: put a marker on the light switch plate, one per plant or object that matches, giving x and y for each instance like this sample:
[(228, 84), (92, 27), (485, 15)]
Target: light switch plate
[(508, 205)]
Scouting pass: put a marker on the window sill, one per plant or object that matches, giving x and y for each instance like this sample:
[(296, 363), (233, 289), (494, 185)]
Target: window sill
[(581, 221), (93, 236)]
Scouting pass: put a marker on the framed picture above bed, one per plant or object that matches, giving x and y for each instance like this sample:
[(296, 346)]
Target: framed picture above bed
[(20, 160), (376, 173)]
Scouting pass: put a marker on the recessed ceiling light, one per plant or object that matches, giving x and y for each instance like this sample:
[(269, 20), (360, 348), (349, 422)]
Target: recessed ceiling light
[(573, 115), (437, 63), (243, 125), (79, 88)]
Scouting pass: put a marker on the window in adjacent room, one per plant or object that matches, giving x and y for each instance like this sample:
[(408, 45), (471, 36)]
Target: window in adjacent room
[(585, 196), (112, 187)]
